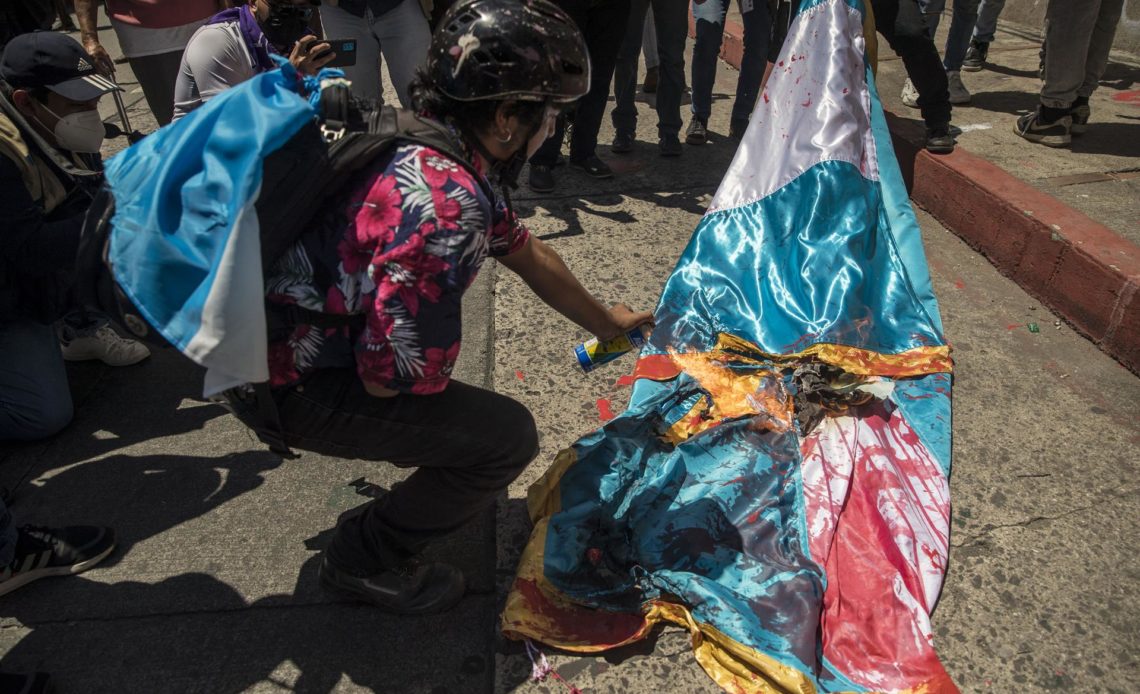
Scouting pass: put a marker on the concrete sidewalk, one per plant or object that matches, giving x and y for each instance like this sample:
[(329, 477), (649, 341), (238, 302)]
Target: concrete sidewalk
[(1063, 223)]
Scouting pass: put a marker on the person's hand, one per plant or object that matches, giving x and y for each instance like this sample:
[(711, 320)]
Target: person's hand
[(623, 319), (310, 54), (103, 62)]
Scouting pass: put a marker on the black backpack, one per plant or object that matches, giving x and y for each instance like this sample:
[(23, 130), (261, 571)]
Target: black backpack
[(331, 150)]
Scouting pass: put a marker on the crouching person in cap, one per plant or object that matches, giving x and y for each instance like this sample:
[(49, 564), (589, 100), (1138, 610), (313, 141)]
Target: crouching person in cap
[(416, 227), (50, 135)]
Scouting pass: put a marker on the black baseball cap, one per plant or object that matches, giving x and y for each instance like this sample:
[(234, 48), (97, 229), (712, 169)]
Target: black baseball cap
[(55, 61)]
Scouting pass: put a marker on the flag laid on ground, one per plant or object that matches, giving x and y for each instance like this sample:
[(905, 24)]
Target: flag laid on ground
[(778, 484)]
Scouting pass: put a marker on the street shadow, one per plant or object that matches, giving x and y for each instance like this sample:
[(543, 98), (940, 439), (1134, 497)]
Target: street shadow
[(1011, 102), (1120, 139)]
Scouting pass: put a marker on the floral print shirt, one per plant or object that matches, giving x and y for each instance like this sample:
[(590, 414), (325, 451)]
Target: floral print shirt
[(417, 231)]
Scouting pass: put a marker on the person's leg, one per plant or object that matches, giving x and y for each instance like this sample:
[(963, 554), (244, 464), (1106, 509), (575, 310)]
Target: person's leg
[(757, 34), (365, 74), (901, 24), (467, 443), (709, 20), (1100, 43), (7, 535), (604, 25), (986, 24), (624, 115), (932, 14), (649, 41), (671, 19), (958, 40), (404, 40), (1068, 32), (35, 400), (156, 75)]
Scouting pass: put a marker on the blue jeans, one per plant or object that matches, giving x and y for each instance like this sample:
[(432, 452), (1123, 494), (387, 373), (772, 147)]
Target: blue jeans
[(986, 25), (35, 401), (670, 21), (709, 19), (961, 28)]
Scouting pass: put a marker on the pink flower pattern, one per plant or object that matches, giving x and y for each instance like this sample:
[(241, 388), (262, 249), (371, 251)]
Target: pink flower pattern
[(402, 257)]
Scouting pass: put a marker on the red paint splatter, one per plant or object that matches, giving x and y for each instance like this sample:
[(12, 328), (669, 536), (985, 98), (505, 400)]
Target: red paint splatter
[(520, 375), (765, 96), (781, 63), (1132, 97), (806, 103), (626, 380), (845, 90), (959, 284), (1013, 326), (605, 413)]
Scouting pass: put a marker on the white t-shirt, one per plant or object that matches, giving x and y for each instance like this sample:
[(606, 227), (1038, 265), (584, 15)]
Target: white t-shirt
[(139, 42), (215, 60)]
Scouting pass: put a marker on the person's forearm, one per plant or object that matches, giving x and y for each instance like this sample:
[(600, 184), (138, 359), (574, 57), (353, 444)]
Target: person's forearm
[(86, 13), (549, 278)]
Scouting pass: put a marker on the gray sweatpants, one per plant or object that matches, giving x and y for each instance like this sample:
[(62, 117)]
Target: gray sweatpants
[(1078, 37)]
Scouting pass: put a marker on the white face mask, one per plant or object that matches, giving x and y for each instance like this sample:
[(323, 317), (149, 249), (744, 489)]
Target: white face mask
[(79, 132), (547, 128)]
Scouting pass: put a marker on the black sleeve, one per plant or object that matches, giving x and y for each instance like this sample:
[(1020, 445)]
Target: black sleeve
[(28, 244)]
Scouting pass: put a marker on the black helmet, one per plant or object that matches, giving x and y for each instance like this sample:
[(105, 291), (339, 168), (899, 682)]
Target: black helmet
[(520, 49)]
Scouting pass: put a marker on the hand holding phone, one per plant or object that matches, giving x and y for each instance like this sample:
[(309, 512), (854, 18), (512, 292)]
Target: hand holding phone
[(345, 50)]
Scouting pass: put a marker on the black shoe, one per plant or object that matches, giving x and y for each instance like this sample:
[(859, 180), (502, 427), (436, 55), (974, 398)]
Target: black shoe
[(1033, 127), (34, 683), (670, 146), (975, 57), (594, 167), (736, 129), (939, 140), (1080, 115), (623, 142), (44, 552), (541, 178), (698, 133), (411, 588)]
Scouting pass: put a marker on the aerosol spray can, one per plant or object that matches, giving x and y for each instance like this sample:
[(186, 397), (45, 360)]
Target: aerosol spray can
[(592, 353)]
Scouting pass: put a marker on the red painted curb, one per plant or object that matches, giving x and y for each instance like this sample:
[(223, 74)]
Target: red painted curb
[(1073, 264)]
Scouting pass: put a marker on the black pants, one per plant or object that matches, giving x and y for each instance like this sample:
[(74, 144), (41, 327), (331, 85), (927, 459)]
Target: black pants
[(901, 23), (467, 443), (603, 26)]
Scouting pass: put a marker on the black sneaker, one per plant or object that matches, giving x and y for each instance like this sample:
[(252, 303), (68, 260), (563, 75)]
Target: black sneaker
[(939, 140), (1032, 127), (44, 552), (1080, 115), (975, 57), (623, 142), (34, 683), (541, 178), (411, 588), (698, 133), (594, 167), (670, 146)]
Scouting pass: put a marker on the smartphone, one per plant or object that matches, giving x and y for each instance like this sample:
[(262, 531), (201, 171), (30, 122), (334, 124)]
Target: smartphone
[(345, 50)]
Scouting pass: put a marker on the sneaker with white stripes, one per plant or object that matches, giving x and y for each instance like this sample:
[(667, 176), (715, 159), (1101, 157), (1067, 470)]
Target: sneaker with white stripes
[(107, 346), (42, 552)]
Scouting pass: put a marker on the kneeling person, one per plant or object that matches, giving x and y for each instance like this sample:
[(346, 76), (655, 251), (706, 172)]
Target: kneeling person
[(415, 231)]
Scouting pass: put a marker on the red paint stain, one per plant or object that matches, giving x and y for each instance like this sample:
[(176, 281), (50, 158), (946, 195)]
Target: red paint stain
[(806, 103), (1013, 326), (605, 413), (781, 63), (520, 375), (626, 380), (753, 517), (959, 284), (1132, 97), (845, 90), (765, 96)]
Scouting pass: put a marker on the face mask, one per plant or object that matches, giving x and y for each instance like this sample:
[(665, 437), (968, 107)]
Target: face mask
[(78, 132), (285, 24)]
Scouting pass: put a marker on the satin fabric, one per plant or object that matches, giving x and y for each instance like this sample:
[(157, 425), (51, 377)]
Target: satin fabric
[(803, 560)]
